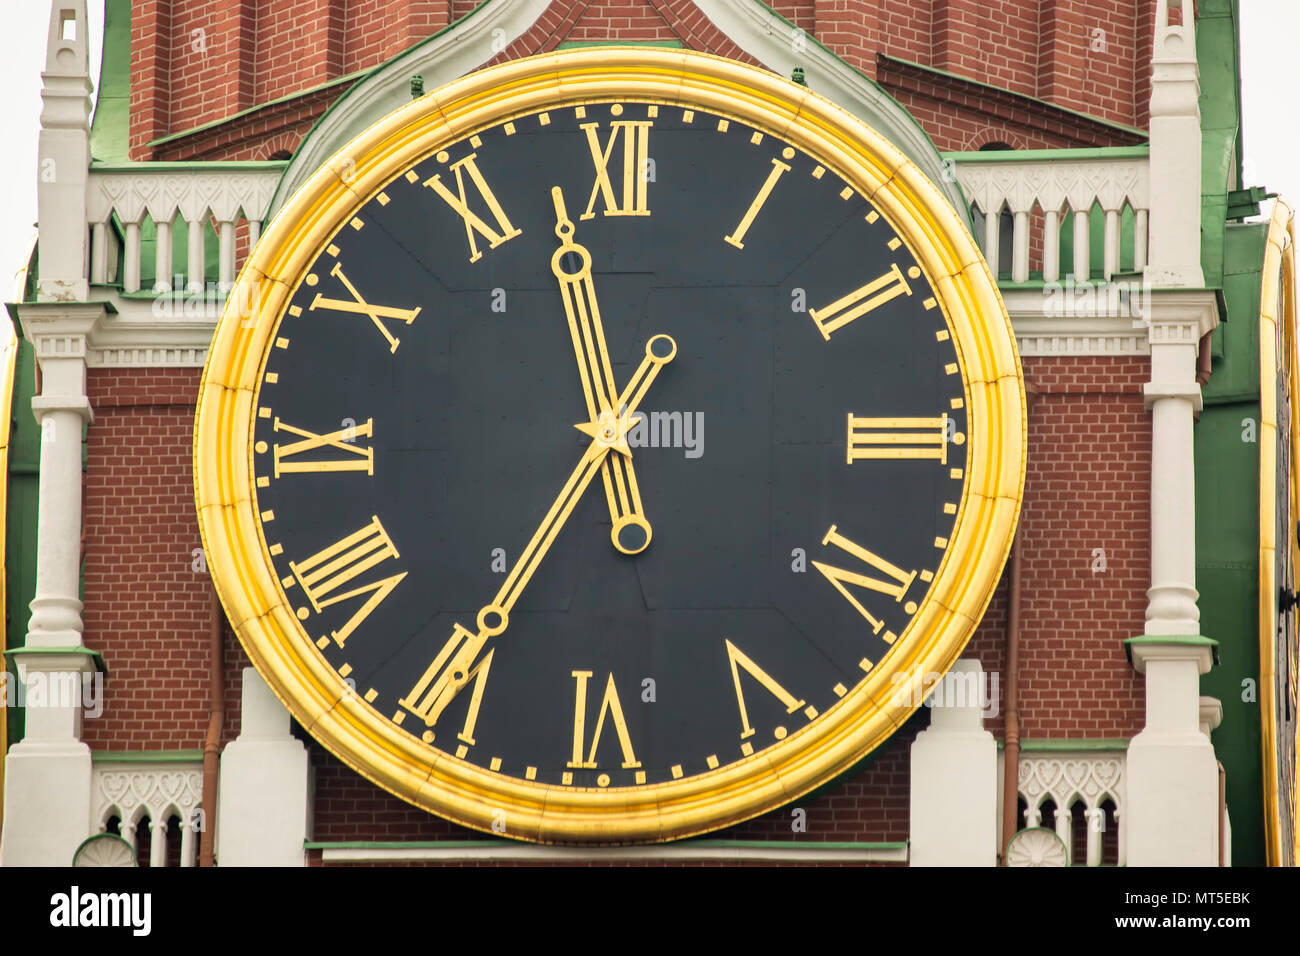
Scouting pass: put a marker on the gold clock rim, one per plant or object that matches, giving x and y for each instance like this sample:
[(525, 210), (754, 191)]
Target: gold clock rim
[(855, 726)]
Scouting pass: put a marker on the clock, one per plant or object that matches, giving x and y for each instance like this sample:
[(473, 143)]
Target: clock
[(605, 447)]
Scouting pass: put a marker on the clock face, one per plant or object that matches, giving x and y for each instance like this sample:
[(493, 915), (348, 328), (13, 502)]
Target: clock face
[(607, 448)]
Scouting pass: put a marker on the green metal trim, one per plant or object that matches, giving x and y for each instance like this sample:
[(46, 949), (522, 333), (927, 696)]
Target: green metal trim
[(181, 166), (300, 94), (146, 756), (1050, 155), (93, 655), (1131, 130), (1189, 640), (1218, 63), (484, 844), (1075, 745), (1199, 640)]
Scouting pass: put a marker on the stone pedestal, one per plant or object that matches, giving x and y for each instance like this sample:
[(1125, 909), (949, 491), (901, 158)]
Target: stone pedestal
[(1172, 816), (954, 813), (47, 773), (264, 795)]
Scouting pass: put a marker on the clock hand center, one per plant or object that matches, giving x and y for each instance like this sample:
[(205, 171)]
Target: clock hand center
[(453, 668)]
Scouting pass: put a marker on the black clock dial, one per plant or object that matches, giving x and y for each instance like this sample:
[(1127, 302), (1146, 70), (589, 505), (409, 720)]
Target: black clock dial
[(783, 494)]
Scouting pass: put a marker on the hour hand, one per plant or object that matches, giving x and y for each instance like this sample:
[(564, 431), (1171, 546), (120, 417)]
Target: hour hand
[(630, 531)]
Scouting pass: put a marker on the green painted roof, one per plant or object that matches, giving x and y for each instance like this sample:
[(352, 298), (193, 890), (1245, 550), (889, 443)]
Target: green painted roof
[(109, 132)]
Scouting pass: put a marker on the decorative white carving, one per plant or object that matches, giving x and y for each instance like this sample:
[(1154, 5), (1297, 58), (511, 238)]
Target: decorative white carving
[(225, 192), (133, 791), (1057, 186), (1066, 777), (131, 190), (1054, 184), (1037, 847)]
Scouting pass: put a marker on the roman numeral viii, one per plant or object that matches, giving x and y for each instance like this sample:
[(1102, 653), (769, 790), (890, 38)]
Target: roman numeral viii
[(326, 575), (894, 581)]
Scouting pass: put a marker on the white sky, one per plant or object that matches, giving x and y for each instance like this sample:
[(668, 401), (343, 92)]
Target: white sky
[(1270, 75)]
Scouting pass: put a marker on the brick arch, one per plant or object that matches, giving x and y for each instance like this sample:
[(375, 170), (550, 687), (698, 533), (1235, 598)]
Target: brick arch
[(990, 135), (281, 141)]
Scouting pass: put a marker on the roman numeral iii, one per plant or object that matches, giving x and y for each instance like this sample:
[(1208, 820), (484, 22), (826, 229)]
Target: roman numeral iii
[(324, 575), (894, 581), (861, 301), (631, 200), (899, 438), (362, 459), (459, 202)]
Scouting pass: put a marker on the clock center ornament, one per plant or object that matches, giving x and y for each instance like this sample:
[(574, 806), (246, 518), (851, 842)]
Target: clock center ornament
[(538, 604)]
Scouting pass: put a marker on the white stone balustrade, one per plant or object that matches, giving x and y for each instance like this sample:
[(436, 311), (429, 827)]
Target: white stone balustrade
[(202, 194), (133, 790), (1067, 778), (1041, 186)]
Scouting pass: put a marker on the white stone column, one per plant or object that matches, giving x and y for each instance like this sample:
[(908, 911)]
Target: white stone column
[(47, 773), (1171, 814), (263, 804), (954, 787)]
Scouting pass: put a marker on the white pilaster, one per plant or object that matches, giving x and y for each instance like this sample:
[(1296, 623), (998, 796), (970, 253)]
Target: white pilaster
[(64, 156), (48, 772), (1177, 321), (954, 816), (1173, 779), (263, 803), (1175, 221)]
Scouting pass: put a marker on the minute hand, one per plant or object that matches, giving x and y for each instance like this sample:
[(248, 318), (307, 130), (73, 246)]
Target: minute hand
[(456, 663), (587, 331)]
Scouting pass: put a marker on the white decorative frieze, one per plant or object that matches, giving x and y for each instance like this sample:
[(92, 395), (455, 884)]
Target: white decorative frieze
[(143, 790), (1067, 778), (1041, 188), (200, 193)]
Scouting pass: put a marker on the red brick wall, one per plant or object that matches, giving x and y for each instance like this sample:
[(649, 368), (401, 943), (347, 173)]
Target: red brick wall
[(1087, 487), (251, 53), (146, 608), (626, 19), (906, 28)]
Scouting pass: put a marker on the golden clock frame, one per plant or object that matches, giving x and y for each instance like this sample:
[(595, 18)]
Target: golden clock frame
[(865, 717), (1277, 327)]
